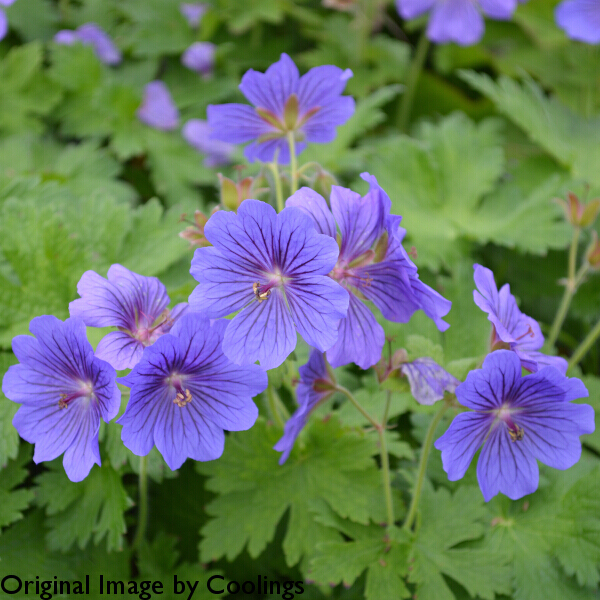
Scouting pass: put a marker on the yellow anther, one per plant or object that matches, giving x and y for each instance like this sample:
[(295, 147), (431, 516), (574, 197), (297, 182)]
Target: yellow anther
[(517, 434), (257, 293), (182, 400)]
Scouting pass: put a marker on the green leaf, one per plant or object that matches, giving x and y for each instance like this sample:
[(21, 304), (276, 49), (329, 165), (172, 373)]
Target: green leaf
[(445, 524), (76, 511), (9, 438), (383, 553), (27, 93), (326, 462), (446, 170), (13, 502), (568, 137)]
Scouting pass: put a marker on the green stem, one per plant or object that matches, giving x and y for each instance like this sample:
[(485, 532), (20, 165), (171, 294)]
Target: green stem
[(356, 403), (590, 338), (569, 290), (414, 504), (385, 463), (278, 189), (143, 504), (293, 161), (273, 406), (412, 80)]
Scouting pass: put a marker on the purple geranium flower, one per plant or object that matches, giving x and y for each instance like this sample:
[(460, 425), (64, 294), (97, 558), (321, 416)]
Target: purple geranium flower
[(309, 106), (274, 268), (157, 108), (316, 385), (64, 390), (136, 305), (457, 21), (3, 20), (193, 13), (518, 420), (91, 34), (372, 264), (427, 380), (185, 392), (197, 133), (580, 19), (200, 57), (512, 330)]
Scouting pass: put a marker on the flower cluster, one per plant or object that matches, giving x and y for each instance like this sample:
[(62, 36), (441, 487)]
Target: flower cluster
[(92, 35)]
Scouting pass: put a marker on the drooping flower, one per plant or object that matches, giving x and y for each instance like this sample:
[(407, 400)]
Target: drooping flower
[(3, 19), (273, 269), (316, 385), (372, 264), (91, 34), (200, 57), (135, 304), (518, 420), (310, 107), (193, 13), (512, 330), (185, 392), (580, 19), (158, 109), (458, 21), (64, 390), (197, 134), (428, 381)]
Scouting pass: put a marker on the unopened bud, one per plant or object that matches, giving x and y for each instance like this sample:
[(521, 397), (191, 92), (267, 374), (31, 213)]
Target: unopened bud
[(195, 234), (592, 254), (577, 213), (233, 194), (322, 182)]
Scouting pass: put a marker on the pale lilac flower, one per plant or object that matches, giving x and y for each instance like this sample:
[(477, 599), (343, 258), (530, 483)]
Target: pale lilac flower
[(316, 385), (458, 21), (310, 107), (157, 108), (135, 304), (196, 132), (273, 269), (64, 390), (428, 381), (580, 19), (511, 329), (193, 13), (518, 420), (200, 57), (91, 34), (185, 392), (3, 19), (372, 264)]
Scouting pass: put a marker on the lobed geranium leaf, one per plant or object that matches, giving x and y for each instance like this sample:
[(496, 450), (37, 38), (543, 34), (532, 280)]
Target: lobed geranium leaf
[(444, 172), (325, 463), (568, 137), (14, 502), (444, 525), (78, 511)]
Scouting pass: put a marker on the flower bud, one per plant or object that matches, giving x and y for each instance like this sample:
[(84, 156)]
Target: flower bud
[(322, 183), (592, 254), (577, 213), (195, 233), (233, 194)]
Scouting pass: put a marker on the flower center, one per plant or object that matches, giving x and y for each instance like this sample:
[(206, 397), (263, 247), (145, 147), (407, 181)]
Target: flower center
[(182, 396), (516, 433), (85, 390), (289, 121)]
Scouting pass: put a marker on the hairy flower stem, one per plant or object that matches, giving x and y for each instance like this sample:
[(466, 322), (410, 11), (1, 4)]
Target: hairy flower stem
[(573, 282), (414, 503), (412, 80), (143, 504), (385, 463), (581, 350), (276, 407), (278, 189), (293, 161)]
